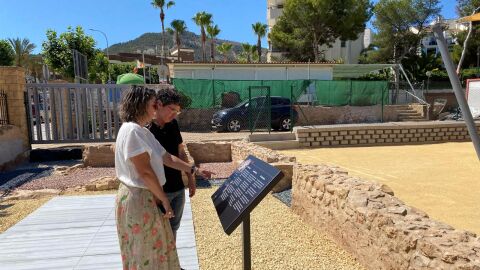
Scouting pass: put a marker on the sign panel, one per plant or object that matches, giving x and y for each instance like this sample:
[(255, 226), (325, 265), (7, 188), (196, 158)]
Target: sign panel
[(243, 191)]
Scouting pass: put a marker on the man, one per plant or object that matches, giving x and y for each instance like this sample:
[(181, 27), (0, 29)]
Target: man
[(165, 129)]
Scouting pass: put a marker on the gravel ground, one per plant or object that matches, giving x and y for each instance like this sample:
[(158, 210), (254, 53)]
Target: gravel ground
[(78, 177), (280, 240), (222, 170)]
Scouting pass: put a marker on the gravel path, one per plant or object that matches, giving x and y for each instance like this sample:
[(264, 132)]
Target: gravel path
[(77, 177), (280, 240), (222, 170)]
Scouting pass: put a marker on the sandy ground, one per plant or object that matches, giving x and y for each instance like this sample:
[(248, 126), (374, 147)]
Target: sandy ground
[(441, 179), (280, 240)]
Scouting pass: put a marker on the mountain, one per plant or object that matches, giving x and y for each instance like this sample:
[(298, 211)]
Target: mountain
[(151, 43)]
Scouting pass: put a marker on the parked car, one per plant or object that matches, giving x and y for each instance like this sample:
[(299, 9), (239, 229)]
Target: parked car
[(238, 118)]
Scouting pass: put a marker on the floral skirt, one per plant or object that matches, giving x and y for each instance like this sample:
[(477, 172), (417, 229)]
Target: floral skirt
[(146, 238)]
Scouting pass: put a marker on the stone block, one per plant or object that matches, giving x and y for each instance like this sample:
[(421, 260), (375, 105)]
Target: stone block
[(315, 143), (334, 133), (343, 132), (99, 156), (314, 134), (344, 142), (338, 138), (210, 152), (371, 131), (379, 131), (302, 135), (310, 139)]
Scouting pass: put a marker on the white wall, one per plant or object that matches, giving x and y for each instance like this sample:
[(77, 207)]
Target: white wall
[(252, 72)]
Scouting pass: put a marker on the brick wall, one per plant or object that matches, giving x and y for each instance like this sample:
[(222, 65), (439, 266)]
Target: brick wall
[(383, 134), (12, 81)]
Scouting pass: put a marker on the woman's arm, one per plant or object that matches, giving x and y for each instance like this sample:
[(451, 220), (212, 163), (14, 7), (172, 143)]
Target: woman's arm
[(145, 172)]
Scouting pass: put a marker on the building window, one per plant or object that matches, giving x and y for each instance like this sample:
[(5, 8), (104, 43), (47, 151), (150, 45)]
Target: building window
[(343, 44), (279, 6)]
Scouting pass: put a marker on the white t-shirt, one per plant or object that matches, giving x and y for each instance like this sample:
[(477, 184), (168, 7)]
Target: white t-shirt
[(133, 140)]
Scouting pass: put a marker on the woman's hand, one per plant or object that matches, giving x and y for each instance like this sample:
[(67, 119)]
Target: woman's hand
[(168, 210)]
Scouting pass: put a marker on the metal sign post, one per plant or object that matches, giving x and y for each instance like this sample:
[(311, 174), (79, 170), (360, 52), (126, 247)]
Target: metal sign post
[(457, 87)]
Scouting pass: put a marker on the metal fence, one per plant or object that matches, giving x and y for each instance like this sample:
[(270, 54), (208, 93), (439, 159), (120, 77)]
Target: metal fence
[(3, 109), (73, 112)]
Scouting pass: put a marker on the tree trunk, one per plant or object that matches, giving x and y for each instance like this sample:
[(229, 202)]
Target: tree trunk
[(316, 52), (204, 39), (162, 18), (464, 51), (212, 51), (259, 49), (178, 47)]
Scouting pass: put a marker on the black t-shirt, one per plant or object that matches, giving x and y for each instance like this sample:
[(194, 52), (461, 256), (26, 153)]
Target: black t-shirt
[(169, 137)]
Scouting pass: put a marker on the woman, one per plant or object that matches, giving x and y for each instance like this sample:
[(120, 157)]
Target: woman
[(146, 239)]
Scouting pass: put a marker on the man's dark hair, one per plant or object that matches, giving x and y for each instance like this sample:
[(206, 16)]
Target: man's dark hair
[(168, 96), (134, 103)]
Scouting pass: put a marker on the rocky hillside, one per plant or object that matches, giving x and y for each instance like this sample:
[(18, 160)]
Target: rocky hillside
[(152, 43)]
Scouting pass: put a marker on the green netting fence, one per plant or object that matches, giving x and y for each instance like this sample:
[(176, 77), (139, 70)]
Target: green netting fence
[(353, 93), (209, 93)]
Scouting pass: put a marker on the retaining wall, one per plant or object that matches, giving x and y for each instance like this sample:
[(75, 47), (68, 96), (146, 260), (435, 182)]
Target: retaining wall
[(383, 133), (375, 226), (14, 150)]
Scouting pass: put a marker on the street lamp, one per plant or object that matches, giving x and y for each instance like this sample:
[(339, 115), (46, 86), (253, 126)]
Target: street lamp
[(108, 57)]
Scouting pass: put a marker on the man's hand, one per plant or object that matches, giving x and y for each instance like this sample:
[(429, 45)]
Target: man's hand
[(205, 173)]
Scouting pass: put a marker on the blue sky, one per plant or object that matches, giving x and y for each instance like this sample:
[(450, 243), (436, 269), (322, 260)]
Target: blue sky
[(123, 20)]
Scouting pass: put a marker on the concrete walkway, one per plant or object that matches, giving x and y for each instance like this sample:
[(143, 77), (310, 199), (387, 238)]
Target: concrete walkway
[(78, 232)]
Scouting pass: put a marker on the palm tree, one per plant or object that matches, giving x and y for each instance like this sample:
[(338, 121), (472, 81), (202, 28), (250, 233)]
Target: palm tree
[(203, 19), (213, 32), (224, 49), (161, 4), (22, 48), (178, 28), (260, 30)]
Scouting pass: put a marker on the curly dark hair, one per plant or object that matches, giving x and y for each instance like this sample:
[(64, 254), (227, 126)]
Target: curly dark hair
[(168, 96), (134, 103)]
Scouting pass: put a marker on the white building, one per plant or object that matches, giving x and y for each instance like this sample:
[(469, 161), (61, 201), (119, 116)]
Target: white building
[(348, 51), (429, 43)]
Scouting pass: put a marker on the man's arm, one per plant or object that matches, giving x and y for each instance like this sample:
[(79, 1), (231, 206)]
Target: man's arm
[(191, 180)]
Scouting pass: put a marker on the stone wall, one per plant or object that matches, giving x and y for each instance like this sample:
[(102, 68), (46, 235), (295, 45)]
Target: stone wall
[(383, 134), (99, 155), (242, 149), (321, 115), (376, 227), (14, 150), (210, 152), (12, 81)]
